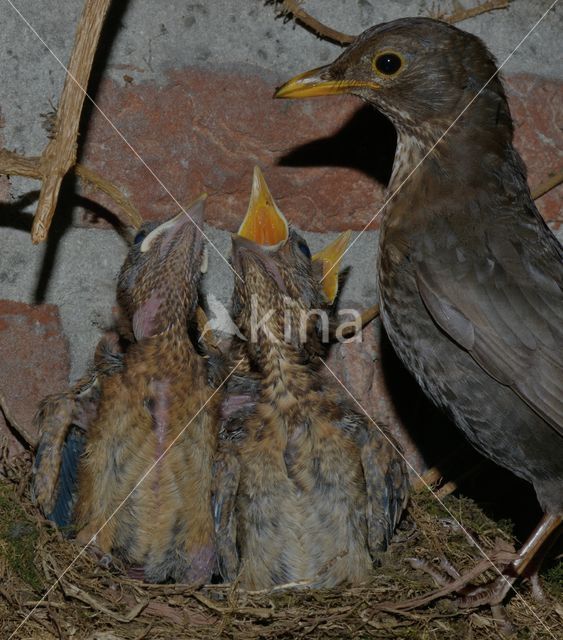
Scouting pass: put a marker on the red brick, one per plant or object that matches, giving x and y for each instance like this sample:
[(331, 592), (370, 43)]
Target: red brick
[(361, 368), (34, 360), (537, 109), (203, 130)]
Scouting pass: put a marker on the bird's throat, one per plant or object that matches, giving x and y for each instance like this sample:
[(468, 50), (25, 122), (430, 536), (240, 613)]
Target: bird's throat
[(413, 150)]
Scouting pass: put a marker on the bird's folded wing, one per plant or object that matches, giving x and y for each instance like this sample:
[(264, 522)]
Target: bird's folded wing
[(67, 488), (226, 472), (55, 468), (506, 310), (385, 476)]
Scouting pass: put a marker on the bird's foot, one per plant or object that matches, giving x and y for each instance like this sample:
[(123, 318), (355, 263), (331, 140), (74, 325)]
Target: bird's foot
[(470, 595), (441, 570), (492, 593)]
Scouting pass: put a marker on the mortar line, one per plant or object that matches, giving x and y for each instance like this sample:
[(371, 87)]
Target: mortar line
[(123, 138)]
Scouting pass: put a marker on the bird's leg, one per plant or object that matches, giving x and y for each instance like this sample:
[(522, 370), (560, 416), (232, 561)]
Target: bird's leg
[(526, 562)]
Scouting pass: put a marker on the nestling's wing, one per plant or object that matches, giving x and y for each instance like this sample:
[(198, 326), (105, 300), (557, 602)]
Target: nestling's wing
[(226, 472), (387, 490), (66, 493), (504, 305), (53, 421), (386, 478)]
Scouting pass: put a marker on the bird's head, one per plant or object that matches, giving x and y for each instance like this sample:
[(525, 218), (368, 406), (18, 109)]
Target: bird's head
[(417, 71), (280, 283), (158, 283)]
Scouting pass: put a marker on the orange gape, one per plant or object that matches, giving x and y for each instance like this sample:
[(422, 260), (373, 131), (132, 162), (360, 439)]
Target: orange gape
[(264, 223), (305, 489), (144, 479)]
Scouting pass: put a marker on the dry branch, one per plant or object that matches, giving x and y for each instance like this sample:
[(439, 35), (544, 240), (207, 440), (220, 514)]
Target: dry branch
[(464, 14), (547, 185), (31, 167), (60, 154), (293, 7)]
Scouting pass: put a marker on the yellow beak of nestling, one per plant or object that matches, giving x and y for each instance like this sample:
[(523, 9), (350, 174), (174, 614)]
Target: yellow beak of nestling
[(316, 83), (263, 223), (330, 258)]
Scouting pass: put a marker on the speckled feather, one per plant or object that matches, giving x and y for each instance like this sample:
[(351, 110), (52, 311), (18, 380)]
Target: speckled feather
[(61, 421), (155, 519), (471, 278), (306, 489)]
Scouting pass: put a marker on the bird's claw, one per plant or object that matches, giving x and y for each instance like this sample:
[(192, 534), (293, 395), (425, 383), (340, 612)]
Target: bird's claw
[(468, 595), (444, 573)]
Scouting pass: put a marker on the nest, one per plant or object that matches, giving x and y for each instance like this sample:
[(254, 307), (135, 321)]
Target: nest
[(91, 602)]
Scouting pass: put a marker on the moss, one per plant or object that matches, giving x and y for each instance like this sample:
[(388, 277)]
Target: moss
[(553, 578), (18, 538)]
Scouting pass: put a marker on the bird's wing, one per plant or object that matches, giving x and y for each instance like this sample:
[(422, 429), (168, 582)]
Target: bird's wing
[(61, 421), (226, 473), (63, 508), (505, 307), (386, 479), (387, 490), (56, 461)]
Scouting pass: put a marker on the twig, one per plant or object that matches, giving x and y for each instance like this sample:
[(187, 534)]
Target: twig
[(452, 485), (294, 8), (464, 14), (60, 153), (260, 613), (23, 433), (366, 317), (548, 185), (31, 167), (112, 191), (318, 28), (72, 591)]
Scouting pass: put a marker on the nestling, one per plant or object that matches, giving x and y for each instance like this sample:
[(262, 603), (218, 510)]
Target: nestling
[(306, 490), (145, 476)]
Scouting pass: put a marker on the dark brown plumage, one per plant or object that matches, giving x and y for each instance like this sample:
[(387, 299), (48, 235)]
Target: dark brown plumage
[(470, 276), (306, 489)]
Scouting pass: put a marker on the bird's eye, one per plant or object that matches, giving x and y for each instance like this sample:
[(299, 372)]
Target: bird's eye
[(388, 63), (304, 248), (141, 235)]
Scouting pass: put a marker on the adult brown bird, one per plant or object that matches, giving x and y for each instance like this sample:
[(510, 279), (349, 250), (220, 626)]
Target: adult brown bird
[(470, 276), (306, 489), (144, 480)]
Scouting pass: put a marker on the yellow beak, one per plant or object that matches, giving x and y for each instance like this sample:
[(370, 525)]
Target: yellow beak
[(330, 258), (312, 84), (263, 223)]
